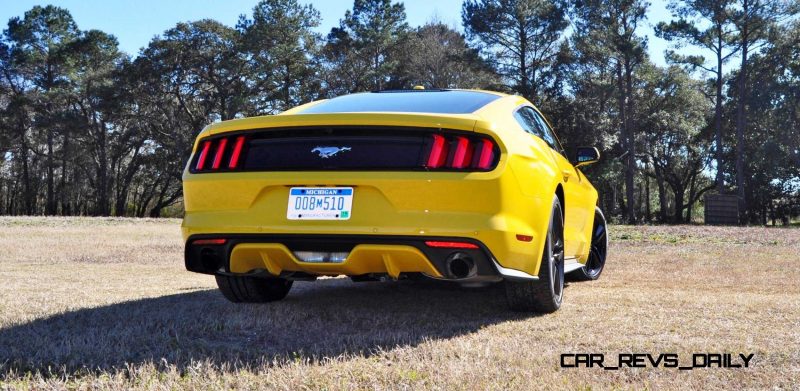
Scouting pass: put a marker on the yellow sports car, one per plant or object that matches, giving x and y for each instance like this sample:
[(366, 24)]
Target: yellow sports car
[(458, 185)]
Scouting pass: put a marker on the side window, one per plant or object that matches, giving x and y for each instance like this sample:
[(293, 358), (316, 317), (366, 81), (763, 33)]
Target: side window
[(548, 135), (527, 119)]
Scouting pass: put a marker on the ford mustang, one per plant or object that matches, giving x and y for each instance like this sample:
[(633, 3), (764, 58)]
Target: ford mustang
[(467, 186)]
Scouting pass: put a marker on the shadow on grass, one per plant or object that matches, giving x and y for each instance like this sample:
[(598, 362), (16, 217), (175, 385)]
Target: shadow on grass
[(317, 320)]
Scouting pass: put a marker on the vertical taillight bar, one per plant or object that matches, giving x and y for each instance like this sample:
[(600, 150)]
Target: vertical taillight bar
[(463, 153), (485, 154), (438, 152), (237, 151), (220, 151), (201, 160)]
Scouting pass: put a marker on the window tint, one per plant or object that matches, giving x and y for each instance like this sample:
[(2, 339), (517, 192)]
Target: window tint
[(411, 101), (534, 123), (527, 119), (549, 136)]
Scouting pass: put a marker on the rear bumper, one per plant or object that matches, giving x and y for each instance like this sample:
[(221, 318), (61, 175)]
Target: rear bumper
[(368, 255), (490, 208)]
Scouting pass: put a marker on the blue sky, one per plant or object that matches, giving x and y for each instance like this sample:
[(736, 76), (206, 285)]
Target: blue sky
[(136, 22)]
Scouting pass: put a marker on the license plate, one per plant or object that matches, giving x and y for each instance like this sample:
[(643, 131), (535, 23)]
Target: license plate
[(320, 203)]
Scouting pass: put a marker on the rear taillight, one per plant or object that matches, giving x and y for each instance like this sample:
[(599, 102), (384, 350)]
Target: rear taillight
[(201, 160), (485, 153), (461, 153), (221, 151), (237, 151), (438, 154)]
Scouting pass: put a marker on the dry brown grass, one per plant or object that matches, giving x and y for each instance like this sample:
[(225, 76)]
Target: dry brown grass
[(105, 303)]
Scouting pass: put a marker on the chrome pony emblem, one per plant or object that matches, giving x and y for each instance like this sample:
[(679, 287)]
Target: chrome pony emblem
[(326, 152)]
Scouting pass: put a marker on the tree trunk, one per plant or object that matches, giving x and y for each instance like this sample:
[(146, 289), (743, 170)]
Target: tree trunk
[(50, 207), (103, 183), (64, 194), (662, 194), (741, 122), (647, 215), (523, 64), (677, 216), (30, 197), (630, 166), (720, 181), (692, 191)]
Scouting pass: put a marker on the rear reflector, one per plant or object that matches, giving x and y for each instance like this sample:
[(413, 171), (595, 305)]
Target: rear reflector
[(438, 244), (524, 238), (201, 161), (202, 242)]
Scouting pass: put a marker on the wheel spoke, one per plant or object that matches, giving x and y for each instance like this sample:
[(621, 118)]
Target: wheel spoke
[(595, 260), (599, 231), (558, 247), (601, 240), (597, 252), (557, 257)]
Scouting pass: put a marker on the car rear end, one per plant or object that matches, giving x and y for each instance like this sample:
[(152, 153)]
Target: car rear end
[(360, 194)]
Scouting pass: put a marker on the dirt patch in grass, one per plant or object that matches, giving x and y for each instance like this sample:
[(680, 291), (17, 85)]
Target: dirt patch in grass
[(105, 303)]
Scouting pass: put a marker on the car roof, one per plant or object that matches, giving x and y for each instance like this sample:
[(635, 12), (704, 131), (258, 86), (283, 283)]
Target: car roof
[(438, 101)]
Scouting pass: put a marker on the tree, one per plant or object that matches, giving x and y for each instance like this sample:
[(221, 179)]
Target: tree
[(754, 21), (772, 143), (282, 49), (706, 24), (362, 52), (207, 62), (40, 45), (96, 58), (606, 33), (15, 117), (522, 38), (442, 59), (676, 145)]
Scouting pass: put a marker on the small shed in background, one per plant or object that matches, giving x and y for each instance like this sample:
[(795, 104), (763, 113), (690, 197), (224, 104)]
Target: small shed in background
[(722, 209)]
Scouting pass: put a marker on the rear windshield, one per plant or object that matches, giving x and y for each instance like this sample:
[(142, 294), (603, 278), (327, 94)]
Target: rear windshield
[(407, 101)]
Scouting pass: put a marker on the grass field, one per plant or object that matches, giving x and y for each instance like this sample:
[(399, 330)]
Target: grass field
[(105, 303)]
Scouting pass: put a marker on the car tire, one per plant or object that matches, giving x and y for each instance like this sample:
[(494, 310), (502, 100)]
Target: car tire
[(245, 289), (597, 251), (545, 294)]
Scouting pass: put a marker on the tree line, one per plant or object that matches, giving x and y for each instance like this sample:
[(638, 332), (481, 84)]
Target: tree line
[(86, 129)]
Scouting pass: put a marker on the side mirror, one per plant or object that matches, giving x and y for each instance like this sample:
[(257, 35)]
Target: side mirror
[(586, 155)]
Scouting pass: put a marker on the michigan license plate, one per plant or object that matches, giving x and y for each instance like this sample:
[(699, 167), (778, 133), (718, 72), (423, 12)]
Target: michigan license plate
[(320, 203)]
